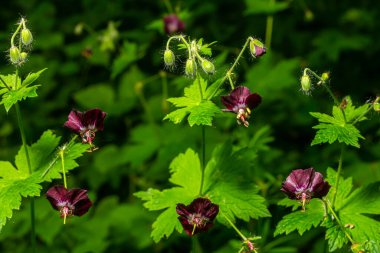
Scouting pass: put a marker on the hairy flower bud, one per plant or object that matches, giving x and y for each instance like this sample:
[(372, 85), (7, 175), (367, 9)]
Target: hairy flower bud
[(325, 76), (190, 68), (26, 37), (23, 56), (14, 55), (305, 83), (257, 48), (207, 66), (169, 58)]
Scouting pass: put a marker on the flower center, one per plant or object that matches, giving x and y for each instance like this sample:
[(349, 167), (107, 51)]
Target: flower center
[(198, 219), (66, 211), (242, 116), (88, 136)]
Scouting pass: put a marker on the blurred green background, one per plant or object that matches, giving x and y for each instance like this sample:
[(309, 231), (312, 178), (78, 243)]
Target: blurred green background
[(108, 54)]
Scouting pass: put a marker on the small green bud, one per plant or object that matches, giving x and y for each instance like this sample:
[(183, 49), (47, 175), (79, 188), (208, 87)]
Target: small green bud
[(305, 83), (26, 36), (23, 56), (325, 76), (190, 68), (207, 66), (14, 55), (169, 58), (376, 104)]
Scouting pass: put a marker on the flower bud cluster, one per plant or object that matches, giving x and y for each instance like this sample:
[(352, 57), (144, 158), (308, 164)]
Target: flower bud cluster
[(194, 60), (306, 81), (18, 51)]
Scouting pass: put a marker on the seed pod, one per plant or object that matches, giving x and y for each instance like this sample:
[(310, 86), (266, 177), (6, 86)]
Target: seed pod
[(305, 83), (14, 55), (207, 66), (190, 68), (169, 58), (26, 36)]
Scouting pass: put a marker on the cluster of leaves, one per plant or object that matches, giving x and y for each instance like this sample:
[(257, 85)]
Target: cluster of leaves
[(16, 181), (341, 125), (224, 184), (196, 103)]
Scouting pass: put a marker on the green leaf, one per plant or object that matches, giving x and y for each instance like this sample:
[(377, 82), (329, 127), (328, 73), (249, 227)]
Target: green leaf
[(186, 173), (302, 220), (45, 165), (340, 126), (10, 81), (358, 210), (227, 184), (335, 237), (32, 77), (200, 111), (128, 55), (13, 96)]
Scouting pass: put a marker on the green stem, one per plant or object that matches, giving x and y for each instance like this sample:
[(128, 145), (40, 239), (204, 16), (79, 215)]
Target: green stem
[(16, 32), (230, 70), (203, 159), (234, 227), (23, 139), (269, 28), (338, 173), (338, 221), (61, 154), (196, 246)]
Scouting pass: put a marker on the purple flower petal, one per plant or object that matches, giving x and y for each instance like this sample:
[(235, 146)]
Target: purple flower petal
[(259, 51), (75, 121), (94, 119), (56, 196), (172, 24), (253, 100)]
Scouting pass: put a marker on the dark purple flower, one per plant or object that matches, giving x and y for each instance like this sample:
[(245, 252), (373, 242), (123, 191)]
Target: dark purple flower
[(198, 216), (257, 48), (68, 202), (86, 124), (241, 101), (304, 185), (172, 24)]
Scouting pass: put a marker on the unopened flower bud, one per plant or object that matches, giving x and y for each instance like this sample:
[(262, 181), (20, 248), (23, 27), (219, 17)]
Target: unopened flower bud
[(257, 48), (325, 76), (26, 36), (376, 104), (305, 83), (14, 55), (169, 57), (207, 66), (23, 56), (190, 68)]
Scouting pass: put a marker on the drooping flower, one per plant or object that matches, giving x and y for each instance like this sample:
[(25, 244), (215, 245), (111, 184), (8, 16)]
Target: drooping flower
[(198, 216), (68, 202), (172, 24), (86, 124), (305, 184), (241, 101)]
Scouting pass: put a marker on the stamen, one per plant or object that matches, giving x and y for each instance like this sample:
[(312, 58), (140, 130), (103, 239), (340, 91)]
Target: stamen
[(194, 227)]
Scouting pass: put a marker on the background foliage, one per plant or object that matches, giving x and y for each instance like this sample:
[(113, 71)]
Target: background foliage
[(125, 77)]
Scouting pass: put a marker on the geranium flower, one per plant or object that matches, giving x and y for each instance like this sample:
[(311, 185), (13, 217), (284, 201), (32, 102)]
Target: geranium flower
[(68, 202), (305, 184), (172, 24), (241, 101), (198, 216), (86, 124)]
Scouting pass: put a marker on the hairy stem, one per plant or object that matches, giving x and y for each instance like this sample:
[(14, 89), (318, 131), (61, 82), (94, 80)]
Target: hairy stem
[(234, 227), (32, 209), (338, 221), (230, 70), (338, 174)]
